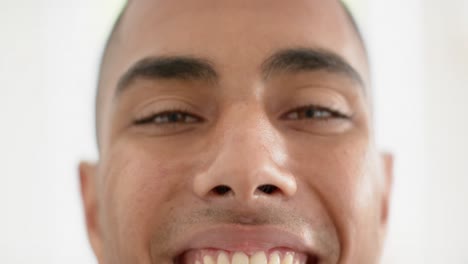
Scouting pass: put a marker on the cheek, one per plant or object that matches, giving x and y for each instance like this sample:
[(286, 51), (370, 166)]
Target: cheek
[(141, 184), (346, 178), (340, 172)]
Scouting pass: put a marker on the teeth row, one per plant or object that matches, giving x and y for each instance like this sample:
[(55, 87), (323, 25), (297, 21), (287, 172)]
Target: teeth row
[(257, 258)]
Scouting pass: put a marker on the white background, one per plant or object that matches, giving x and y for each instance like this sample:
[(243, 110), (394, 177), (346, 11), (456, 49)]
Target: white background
[(49, 52)]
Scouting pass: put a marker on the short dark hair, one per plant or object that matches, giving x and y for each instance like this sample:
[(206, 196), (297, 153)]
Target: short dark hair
[(104, 58), (354, 24)]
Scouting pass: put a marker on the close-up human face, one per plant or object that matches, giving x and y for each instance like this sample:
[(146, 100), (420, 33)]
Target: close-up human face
[(236, 131)]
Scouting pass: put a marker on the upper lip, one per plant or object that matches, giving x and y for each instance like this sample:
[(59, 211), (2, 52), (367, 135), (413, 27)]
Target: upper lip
[(248, 239)]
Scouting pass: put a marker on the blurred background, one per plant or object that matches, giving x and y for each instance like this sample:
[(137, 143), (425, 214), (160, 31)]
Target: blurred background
[(49, 54)]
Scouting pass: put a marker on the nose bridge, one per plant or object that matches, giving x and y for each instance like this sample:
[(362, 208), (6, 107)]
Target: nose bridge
[(251, 138), (249, 160), (249, 142)]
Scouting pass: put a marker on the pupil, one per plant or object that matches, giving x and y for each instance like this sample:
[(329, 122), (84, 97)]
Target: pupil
[(310, 112), (174, 117)]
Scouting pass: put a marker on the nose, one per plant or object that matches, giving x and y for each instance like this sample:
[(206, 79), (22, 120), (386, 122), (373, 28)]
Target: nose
[(249, 161)]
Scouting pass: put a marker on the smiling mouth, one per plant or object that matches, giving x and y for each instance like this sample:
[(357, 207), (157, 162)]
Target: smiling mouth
[(247, 245), (271, 256)]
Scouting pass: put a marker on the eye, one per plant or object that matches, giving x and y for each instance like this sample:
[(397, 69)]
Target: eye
[(169, 118), (314, 112)]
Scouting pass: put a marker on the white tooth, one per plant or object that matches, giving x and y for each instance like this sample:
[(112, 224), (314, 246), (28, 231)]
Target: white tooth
[(274, 258), (208, 260), (288, 259), (258, 258), (240, 258), (223, 258)]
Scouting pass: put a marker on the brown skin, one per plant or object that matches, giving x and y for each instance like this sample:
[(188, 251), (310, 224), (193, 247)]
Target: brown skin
[(154, 183)]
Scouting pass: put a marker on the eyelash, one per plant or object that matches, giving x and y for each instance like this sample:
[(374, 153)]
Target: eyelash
[(329, 113), (169, 115)]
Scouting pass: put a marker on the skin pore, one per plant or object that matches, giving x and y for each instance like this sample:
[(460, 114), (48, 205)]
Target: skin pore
[(239, 127)]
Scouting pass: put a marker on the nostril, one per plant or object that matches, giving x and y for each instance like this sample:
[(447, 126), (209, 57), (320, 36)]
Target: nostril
[(267, 188), (221, 189)]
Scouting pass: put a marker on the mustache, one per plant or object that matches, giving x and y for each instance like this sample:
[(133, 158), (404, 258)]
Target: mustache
[(287, 218), (253, 217)]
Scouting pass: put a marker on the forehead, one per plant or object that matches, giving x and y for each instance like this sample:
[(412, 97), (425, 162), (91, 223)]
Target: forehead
[(225, 30)]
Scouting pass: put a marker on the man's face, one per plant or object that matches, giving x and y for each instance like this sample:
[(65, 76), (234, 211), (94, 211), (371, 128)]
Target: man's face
[(232, 130)]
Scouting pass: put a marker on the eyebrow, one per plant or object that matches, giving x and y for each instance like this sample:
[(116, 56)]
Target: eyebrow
[(168, 67), (186, 68), (306, 59)]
